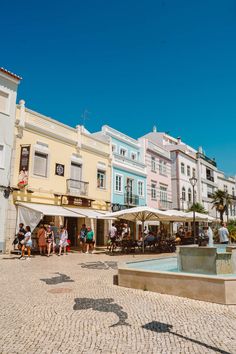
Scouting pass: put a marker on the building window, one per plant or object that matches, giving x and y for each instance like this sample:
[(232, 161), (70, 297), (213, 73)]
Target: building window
[(113, 148), (123, 152), (209, 175), (133, 156), (225, 188), (162, 167), (153, 191), (189, 195), (163, 194), (40, 164), (233, 192), (118, 183), (4, 102), (140, 188), (194, 172), (2, 162), (188, 171), (182, 168), (183, 194), (101, 179), (153, 164)]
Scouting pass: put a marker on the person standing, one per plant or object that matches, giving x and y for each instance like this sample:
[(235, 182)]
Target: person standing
[(50, 239), (42, 240), (89, 240), (224, 234), (63, 240), (20, 235), (56, 234), (27, 244), (112, 237), (82, 237)]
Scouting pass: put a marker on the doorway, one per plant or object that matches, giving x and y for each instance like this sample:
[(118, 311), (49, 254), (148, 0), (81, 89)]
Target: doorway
[(100, 233), (72, 229)]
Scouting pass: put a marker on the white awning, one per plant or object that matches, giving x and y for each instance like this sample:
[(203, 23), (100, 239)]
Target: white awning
[(88, 213), (52, 210)]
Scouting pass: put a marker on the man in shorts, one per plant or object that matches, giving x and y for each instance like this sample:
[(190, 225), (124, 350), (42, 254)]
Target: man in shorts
[(82, 237)]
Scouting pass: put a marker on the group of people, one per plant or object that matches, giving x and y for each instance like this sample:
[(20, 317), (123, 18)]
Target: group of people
[(86, 239), (50, 239)]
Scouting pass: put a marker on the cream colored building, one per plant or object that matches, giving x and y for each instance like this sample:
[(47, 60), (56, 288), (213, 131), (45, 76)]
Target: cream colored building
[(64, 173)]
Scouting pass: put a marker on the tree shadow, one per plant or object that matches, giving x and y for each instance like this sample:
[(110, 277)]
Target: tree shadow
[(102, 305), (166, 328), (99, 265), (61, 278)]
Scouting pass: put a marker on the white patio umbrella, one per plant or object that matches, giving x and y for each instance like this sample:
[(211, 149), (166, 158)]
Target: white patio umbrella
[(200, 217), (142, 213)]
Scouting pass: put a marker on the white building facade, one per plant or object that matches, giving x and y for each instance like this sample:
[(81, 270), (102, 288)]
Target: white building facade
[(8, 92)]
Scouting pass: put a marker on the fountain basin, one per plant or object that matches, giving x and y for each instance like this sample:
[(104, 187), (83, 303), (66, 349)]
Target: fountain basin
[(162, 276)]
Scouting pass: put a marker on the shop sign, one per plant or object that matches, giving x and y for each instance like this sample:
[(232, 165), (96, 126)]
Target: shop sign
[(24, 166), (77, 201), (59, 169)]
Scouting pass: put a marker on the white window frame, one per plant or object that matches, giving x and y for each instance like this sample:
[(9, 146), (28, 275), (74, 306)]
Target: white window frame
[(194, 172), (182, 165), (154, 189), (121, 183), (135, 154), (142, 183), (8, 93), (153, 164), (123, 148), (164, 192), (104, 172), (36, 151), (115, 148), (2, 166), (188, 171)]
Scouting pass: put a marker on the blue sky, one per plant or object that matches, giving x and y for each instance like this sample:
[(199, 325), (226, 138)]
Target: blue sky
[(131, 64)]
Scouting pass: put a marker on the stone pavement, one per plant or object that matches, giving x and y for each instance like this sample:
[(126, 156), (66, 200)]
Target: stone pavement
[(69, 305)]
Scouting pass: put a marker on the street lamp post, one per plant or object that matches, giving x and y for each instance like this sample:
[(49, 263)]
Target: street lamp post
[(193, 182)]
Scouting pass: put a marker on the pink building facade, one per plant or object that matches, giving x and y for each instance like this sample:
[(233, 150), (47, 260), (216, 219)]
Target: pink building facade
[(158, 162)]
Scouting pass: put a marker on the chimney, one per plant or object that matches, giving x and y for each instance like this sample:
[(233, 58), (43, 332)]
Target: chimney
[(200, 150), (154, 129), (22, 113), (179, 140)]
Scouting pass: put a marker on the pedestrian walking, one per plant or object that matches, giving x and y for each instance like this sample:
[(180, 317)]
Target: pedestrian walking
[(89, 240), (82, 237), (112, 237), (224, 234), (26, 243), (63, 240), (41, 235), (49, 239), (21, 235)]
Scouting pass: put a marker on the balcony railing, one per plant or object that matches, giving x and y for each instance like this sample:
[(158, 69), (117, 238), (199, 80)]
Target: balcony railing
[(75, 187), (210, 178), (165, 204), (131, 199)]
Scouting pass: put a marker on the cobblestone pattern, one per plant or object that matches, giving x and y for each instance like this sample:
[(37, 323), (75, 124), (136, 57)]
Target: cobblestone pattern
[(64, 317)]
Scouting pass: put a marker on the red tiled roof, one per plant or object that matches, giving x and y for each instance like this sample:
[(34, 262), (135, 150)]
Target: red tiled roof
[(10, 74)]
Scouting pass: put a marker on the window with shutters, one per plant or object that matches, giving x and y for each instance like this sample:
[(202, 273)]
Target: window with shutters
[(101, 179), (153, 191), (75, 175), (4, 102), (118, 183), (40, 164), (2, 159)]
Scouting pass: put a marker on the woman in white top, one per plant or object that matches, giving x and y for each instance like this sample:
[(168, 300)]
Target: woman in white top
[(26, 243)]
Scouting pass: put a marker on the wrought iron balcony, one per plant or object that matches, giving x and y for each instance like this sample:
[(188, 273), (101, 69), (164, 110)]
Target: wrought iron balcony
[(75, 187), (165, 204), (131, 199), (210, 178)]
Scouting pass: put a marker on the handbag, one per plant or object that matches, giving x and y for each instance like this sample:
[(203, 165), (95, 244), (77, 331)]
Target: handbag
[(22, 242)]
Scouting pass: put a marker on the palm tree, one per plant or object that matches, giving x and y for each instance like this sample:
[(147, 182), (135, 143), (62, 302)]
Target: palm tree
[(221, 201), (198, 208)]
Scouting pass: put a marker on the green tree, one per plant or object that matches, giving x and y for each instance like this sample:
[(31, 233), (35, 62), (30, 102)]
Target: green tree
[(221, 201), (198, 208)]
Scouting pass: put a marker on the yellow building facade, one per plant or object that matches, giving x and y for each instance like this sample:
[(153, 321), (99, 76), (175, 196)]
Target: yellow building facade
[(57, 165)]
